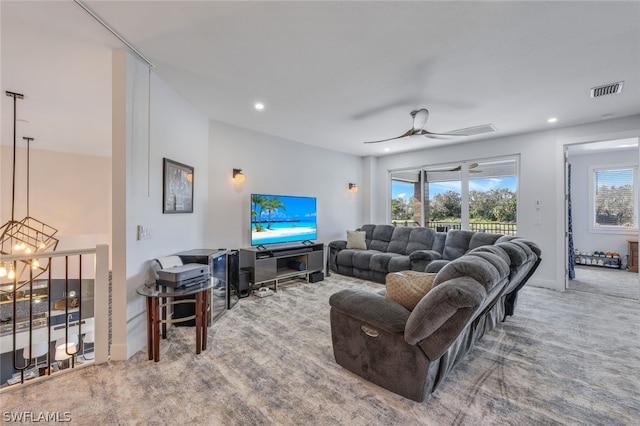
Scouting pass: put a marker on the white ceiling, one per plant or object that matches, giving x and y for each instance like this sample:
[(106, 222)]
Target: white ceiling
[(332, 74)]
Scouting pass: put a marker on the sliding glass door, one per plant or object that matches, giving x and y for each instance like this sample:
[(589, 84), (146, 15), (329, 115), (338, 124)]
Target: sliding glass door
[(406, 198), (475, 195), (444, 189)]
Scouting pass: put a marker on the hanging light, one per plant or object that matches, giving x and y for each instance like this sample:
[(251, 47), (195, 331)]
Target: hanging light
[(12, 273), (28, 235)]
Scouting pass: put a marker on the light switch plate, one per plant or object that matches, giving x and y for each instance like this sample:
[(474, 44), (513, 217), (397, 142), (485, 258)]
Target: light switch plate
[(144, 232)]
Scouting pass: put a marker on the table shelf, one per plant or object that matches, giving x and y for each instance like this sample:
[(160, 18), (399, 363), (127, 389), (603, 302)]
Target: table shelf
[(271, 266), (601, 261)]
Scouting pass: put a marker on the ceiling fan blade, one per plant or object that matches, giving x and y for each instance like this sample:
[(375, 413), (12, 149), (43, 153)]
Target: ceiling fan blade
[(408, 133), (457, 169), (420, 117), (454, 169), (442, 136)]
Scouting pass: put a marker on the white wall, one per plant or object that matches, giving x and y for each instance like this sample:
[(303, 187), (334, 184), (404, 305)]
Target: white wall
[(541, 178), (173, 129), (277, 166), (70, 192), (595, 241)]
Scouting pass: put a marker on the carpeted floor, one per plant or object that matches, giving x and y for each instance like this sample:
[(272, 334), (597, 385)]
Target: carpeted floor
[(612, 282), (565, 358)]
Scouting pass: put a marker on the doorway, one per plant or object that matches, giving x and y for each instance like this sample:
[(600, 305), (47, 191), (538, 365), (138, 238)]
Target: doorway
[(601, 178)]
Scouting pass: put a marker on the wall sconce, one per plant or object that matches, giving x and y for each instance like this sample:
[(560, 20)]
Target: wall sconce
[(238, 176), (353, 187)]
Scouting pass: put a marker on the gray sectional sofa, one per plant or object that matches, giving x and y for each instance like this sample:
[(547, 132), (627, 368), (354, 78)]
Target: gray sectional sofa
[(410, 352), (393, 249), (387, 250)]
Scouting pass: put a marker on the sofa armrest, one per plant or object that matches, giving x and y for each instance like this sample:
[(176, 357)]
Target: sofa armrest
[(435, 266), (440, 316), (371, 308), (421, 258), (334, 248), (338, 245)]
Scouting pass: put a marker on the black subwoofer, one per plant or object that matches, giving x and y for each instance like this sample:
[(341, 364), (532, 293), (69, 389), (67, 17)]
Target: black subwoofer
[(314, 277)]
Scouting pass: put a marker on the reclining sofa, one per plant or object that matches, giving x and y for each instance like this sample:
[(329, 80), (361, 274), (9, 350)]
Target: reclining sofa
[(410, 352), (393, 249)]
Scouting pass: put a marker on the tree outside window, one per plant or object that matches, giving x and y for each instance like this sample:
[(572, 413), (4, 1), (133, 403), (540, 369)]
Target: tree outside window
[(614, 197), (489, 202)]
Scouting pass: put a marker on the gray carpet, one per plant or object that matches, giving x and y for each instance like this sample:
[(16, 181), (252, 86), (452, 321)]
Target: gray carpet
[(612, 282), (565, 358)]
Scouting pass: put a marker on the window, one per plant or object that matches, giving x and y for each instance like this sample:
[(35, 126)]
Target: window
[(613, 198), (444, 194), (493, 198), (474, 195), (406, 198)]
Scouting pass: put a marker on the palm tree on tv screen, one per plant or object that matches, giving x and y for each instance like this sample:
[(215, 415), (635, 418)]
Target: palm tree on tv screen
[(273, 205), (258, 204)]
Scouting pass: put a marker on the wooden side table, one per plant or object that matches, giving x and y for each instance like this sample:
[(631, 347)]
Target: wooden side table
[(162, 297), (633, 255)]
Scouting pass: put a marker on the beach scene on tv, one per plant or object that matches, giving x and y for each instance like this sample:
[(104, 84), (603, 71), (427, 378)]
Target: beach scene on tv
[(282, 219)]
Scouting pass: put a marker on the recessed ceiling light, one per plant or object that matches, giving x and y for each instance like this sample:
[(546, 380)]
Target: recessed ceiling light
[(387, 149), (552, 120), (259, 106)]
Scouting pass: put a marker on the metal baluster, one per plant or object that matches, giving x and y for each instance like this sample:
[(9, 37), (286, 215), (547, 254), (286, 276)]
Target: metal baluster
[(49, 316)]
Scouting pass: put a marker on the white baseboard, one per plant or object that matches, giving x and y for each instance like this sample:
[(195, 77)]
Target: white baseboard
[(550, 284)]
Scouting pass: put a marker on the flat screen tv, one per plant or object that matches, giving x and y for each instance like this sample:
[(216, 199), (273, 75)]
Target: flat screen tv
[(282, 219)]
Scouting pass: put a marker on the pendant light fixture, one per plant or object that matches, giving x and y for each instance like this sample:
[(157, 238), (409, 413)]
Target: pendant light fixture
[(27, 236)]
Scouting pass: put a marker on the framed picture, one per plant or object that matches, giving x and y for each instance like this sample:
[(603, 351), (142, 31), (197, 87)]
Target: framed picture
[(177, 188)]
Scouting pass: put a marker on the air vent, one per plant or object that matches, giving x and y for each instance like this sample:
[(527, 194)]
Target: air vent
[(472, 131), (607, 89)]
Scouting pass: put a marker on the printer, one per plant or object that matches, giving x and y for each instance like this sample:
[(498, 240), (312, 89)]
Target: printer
[(174, 273)]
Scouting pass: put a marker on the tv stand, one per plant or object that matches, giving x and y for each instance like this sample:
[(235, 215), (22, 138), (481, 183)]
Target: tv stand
[(270, 266)]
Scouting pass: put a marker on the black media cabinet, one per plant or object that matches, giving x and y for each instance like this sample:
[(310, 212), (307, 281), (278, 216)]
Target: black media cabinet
[(271, 266)]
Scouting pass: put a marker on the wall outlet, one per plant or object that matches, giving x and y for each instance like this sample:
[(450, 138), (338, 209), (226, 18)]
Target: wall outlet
[(144, 232)]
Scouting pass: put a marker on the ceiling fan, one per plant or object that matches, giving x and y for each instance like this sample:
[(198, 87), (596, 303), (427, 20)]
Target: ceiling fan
[(420, 117)]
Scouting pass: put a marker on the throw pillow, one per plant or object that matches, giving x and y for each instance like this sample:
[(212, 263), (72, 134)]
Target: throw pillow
[(408, 287), (356, 240)]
